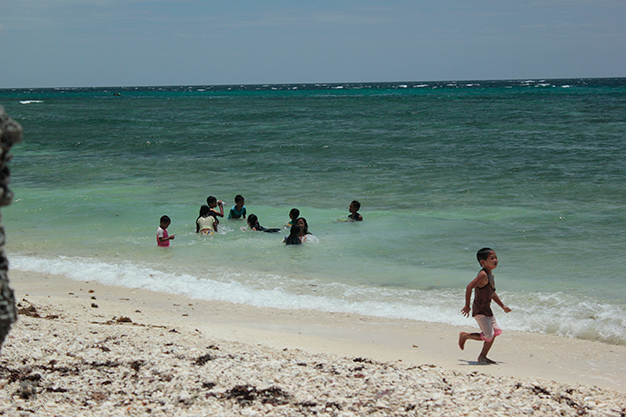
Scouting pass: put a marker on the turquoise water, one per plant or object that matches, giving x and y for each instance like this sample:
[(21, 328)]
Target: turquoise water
[(534, 169)]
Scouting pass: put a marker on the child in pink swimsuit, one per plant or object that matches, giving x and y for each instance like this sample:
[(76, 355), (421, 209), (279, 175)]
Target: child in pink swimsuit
[(163, 238)]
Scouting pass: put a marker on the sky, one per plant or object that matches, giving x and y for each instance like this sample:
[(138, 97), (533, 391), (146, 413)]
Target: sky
[(110, 43)]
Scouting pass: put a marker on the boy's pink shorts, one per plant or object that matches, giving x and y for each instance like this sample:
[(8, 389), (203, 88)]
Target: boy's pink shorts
[(488, 327)]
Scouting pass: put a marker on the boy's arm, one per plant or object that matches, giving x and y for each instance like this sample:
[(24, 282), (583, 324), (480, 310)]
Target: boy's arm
[(480, 279), (468, 298), (220, 204), (500, 303)]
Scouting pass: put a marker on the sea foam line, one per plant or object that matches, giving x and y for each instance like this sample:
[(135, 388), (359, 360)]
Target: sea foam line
[(557, 313), (135, 276)]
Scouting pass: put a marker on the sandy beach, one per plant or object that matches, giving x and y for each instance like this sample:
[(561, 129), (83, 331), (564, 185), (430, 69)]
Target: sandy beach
[(82, 348)]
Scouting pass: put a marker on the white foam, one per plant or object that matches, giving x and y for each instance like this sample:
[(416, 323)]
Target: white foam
[(558, 313), (30, 101)]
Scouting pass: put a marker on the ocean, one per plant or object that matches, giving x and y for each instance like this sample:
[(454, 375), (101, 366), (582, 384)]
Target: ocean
[(535, 169)]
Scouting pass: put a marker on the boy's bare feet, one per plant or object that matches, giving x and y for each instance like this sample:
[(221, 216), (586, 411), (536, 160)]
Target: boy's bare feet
[(486, 361), (462, 339)]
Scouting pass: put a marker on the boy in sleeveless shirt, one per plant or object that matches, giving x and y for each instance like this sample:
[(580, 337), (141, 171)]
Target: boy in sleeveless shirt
[(484, 287)]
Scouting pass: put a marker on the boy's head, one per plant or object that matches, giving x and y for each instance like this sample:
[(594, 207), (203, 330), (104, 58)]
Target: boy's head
[(211, 201), (294, 213), (354, 206), (239, 200), (165, 221), (483, 254)]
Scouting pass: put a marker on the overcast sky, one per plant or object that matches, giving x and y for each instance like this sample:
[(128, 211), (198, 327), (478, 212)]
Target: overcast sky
[(85, 43)]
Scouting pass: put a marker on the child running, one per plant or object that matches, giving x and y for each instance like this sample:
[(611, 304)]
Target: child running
[(484, 287), (162, 237), (238, 211)]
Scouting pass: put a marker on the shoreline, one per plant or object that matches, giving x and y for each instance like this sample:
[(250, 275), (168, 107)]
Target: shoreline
[(519, 354), (82, 348)]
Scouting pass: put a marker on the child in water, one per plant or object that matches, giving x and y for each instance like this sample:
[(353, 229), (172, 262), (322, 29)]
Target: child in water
[(484, 287), (293, 215), (212, 202), (162, 237), (293, 238), (253, 222), (354, 211), (238, 211), (304, 228), (205, 223)]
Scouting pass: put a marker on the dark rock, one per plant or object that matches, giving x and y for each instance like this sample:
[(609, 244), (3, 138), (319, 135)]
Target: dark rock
[(137, 364), (201, 360), (30, 311)]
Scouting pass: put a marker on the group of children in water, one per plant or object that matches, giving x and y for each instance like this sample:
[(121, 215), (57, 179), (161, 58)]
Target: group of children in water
[(483, 285), (207, 221)]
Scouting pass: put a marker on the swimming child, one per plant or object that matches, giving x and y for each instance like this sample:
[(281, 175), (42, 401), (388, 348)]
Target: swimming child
[(354, 208), (238, 211), (253, 222), (205, 223), (293, 215), (484, 287), (162, 237), (293, 238)]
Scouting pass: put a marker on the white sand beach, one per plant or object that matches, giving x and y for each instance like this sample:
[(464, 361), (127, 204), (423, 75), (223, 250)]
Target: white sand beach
[(82, 348)]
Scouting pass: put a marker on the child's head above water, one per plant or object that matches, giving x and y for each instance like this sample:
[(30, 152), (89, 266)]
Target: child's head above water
[(252, 220), (304, 226), (294, 213), (211, 201), (165, 221), (354, 206), (294, 231), (204, 210), (239, 200), (293, 238)]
